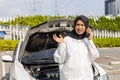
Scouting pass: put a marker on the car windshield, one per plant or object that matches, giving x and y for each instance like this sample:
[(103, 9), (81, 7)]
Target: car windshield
[(40, 57)]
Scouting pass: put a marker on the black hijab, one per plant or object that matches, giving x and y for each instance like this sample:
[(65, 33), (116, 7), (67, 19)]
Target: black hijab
[(73, 33)]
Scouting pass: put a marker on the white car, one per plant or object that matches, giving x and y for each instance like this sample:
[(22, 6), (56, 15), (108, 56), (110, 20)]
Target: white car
[(33, 57)]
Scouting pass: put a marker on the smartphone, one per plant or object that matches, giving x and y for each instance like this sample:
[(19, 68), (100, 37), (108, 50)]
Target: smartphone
[(86, 33)]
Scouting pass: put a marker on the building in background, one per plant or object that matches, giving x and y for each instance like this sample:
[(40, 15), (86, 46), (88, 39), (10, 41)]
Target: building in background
[(112, 7)]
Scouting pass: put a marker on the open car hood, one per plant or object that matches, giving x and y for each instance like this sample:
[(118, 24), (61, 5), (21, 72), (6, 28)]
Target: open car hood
[(39, 37)]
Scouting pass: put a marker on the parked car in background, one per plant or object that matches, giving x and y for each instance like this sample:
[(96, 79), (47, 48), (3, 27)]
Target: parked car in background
[(33, 57)]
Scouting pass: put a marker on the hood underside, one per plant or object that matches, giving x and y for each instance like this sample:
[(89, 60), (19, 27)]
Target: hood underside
[(43, 41), (40, 37)]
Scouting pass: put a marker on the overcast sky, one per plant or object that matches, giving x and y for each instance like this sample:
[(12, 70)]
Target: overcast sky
[(52, 7)]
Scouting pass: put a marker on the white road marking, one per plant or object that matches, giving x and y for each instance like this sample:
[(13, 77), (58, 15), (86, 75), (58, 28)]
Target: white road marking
[(112, 57), (106, 66), (115, 62)]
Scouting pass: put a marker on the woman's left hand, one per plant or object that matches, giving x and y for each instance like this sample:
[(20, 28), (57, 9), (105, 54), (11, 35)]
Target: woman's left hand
[(90, 33)]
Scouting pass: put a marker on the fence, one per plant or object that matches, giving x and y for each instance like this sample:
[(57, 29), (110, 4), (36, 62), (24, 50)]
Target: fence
[(5, 19), (105, 34), (14, 33), (18, 33)]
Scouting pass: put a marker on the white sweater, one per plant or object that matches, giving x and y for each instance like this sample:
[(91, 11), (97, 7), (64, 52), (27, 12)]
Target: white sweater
[(74, 58)]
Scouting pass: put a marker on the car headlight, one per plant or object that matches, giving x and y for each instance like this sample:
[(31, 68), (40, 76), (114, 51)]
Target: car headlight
[(13, 78), (105, 77)]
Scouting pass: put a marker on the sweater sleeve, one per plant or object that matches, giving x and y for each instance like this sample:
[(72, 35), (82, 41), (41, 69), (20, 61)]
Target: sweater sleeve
[(94, 53), (60, 53)]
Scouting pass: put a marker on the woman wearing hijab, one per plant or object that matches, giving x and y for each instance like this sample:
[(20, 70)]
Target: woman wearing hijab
[(76, 51)]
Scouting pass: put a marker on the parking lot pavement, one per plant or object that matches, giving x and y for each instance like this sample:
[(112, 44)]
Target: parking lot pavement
[(106, 56)]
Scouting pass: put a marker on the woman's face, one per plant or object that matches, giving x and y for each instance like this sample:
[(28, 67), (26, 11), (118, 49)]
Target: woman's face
[(79, 27)]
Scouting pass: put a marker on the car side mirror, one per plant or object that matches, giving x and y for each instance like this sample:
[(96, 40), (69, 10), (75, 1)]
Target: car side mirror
[(7, 58)]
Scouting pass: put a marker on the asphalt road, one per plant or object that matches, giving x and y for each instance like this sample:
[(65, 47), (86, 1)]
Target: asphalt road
[(106, 56)]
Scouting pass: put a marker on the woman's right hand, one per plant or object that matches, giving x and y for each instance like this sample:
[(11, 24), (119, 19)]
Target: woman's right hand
[(58, 39)]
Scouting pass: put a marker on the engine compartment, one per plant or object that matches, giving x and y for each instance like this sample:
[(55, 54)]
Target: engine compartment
[(43, 72), (41, 65)]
